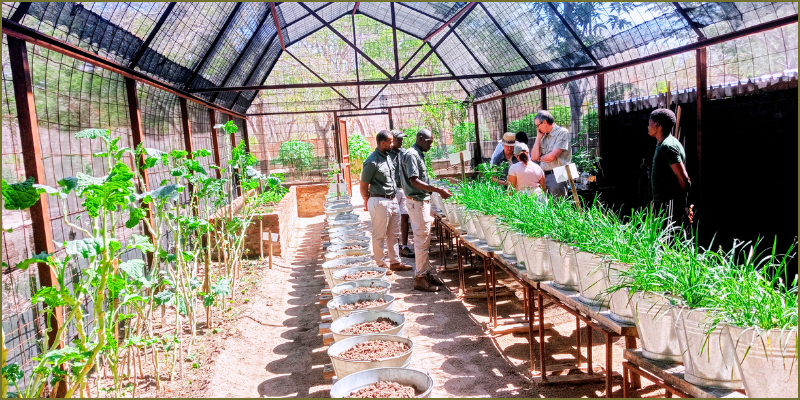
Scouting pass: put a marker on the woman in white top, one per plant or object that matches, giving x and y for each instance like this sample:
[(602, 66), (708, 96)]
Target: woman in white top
[(525, 175)]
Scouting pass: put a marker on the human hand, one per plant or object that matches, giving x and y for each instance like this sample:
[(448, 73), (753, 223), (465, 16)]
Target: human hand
[(445, 193)]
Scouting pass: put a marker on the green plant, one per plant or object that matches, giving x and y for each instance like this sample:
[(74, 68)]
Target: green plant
[(359, 151), (584, 161), (297, 155), (524, 124), (463, 133)]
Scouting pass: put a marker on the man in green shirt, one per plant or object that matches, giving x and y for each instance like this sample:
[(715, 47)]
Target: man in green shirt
[(414, 179), (378, 187), (668, 178), (395, 153)]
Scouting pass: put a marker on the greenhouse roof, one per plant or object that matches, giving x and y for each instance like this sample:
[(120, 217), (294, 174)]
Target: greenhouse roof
[(494, 47)]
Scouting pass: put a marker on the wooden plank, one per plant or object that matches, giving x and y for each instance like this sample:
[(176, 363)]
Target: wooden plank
[(34, 167), (324, 328), (599, 314), (327, 372), (327, 339), (323, 300), (518, 328), (672, 373), (574, 379)]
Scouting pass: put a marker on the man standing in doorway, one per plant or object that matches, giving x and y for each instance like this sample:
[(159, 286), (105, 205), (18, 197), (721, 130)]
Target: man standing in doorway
[(551, 149), (668, 177), (378, 188), (395, 153), (414, 178)]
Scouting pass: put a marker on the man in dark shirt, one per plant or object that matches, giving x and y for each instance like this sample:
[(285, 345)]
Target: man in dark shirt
[(414, 177), (378, 188), (395, 153), (668, 177)]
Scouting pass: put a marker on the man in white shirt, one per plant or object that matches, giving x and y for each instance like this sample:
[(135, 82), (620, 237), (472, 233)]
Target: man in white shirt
[(551, 149)]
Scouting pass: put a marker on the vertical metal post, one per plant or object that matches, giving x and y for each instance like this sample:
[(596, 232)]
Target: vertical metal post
[(702, 97), (391, 121), (233, 145), (137, 137), (544, 98), (601, 111), (32, 160), (246, 136), (504, 114), (477, 159), (187, 140), (212, 120)]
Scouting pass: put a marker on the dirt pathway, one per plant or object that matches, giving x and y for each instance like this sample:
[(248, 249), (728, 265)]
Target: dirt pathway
[(276, 352)]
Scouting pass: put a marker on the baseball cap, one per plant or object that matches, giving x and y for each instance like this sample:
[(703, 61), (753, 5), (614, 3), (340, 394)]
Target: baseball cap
[(509, 139), (398, 134), (519, 148)]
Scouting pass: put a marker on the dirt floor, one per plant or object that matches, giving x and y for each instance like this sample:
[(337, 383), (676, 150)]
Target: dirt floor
[(270, 346)]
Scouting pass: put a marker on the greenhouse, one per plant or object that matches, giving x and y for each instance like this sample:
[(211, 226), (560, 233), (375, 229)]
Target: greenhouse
[(399, 199)]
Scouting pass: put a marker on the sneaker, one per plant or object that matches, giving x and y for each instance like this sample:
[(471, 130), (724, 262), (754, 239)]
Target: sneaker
[(434, 280), (422, 284), (399, 267), (406, 252)]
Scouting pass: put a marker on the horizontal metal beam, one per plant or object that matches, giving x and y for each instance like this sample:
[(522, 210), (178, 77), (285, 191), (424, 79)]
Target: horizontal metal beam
[(388, 82), (337, 110), (792, 19), (29, 35)]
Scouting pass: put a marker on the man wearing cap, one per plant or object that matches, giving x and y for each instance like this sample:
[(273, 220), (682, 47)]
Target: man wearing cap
[(395, 153), (414, 177), (509, 141), (378, 190), (551, 149)]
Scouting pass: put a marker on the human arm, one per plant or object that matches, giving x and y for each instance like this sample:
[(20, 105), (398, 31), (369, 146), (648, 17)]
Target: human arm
[(512, 181), (551, 156), (364, 186), (541, 183), (536, 149), (683, 178), (419, 184)]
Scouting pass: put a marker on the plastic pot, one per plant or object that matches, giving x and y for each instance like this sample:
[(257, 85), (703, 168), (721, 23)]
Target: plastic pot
[(618, 302), (507, 242), (492, 236)]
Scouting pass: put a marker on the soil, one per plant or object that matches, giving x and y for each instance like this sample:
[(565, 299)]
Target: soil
[(361, 304), (384, 389), (361, 275), (363, 289), (379, 325), (374, 350), (353, 247)]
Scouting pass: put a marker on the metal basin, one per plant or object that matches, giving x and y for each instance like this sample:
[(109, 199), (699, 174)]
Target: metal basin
[(367, 316), (490, 230), (345, 222), (345, 367), (352, 298), (339, 211), (709, 360), (374, 282), (565, 266), (519, 248), (767, 361), (339, 250), (473, 215), (507, 242), (422, 382), (656, 327), (619, 303), (329, 267), (537, 258), (591, 283), (338, 276), (358, 238)]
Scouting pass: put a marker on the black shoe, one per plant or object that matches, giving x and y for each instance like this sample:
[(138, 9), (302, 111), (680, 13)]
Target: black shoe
[(422, 283), (434, 280), (406, 252)]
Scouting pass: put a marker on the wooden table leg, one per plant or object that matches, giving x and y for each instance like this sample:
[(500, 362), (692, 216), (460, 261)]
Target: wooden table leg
[(494, 292), (525, 307), (487, 276), (530, 316), (589, 335), (625, 373), (461, 288), (578, 340), (609, 373), (542, 362), (636, 380)]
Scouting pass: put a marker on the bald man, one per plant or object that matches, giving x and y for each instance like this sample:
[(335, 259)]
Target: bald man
[(414, 178)]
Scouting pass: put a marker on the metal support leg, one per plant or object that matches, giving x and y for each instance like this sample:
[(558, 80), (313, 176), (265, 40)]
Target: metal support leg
[(542, 362), (578, 341), (487, 276), (589, 335), (494, 291), (609, 374), (530, 300)]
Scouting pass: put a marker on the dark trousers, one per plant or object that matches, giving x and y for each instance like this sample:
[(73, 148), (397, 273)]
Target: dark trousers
[(675, 210)]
